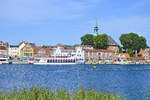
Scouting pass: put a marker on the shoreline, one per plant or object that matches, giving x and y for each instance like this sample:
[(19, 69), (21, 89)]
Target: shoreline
[(67, 64)]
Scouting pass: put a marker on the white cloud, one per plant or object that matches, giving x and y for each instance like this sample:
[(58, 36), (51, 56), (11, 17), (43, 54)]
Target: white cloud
[(27, 10)]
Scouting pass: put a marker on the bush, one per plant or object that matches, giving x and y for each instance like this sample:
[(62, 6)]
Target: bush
[(60, 94)]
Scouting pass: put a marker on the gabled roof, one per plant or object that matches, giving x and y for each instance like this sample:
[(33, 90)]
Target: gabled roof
[(28, 44), (125, 54), (22, 42), (112, 42), (36, 49), (59, 45)]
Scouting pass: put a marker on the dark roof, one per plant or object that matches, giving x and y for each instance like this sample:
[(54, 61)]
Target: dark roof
[(112, 42), (14, 46), (32, 44)]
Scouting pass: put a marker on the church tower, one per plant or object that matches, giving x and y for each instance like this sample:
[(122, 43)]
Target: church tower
[(96, 29)]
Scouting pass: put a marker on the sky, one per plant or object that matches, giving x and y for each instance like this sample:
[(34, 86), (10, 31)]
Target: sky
[(48, 22)]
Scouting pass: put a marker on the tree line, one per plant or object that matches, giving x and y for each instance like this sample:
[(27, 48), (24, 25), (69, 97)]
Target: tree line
[(131, 42)]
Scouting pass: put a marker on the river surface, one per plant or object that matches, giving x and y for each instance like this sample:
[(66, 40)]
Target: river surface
[(131, 81)]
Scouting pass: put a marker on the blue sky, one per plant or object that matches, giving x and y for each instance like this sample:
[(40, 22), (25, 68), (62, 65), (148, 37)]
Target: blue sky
[(64, 21)]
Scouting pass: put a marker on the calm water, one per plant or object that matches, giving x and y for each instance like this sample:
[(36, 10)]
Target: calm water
[(129, 81)]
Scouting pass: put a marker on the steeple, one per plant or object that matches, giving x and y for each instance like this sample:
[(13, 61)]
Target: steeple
[(96, 28)]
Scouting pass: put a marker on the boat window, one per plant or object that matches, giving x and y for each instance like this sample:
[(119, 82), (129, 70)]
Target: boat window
[(2, 59)]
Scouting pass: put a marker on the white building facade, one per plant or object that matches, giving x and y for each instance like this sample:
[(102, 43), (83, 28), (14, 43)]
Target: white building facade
[(75, 53), (13, 51)]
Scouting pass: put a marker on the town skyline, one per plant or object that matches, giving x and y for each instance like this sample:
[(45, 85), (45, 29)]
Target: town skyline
[(51, 22)]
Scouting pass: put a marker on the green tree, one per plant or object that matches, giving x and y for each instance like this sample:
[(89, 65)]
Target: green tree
[(132, 42), (142, 41), (130, 52), (44, 46), (120, 49), (98, 42), (67, 46), (101, 41), (87, 39)]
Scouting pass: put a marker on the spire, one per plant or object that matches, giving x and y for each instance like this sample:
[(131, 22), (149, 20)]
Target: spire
[(96, 28)]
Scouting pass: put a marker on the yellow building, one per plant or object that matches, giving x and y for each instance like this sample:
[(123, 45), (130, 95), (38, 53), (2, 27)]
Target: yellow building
[(27, 51), (21, 46), (13, 51)]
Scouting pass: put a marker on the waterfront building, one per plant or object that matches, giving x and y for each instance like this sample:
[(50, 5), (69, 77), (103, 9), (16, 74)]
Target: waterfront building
[(114, 48), (1, 43), (3, 51), (27, 51), (106, 55), (91, 55), (113, 45), (21, 46), (123, 57), (4, 44), (80, 51), (42, 52), (95, 55), (60, 54), (13, 51), (60, 51), (145, 53), (137, 60)]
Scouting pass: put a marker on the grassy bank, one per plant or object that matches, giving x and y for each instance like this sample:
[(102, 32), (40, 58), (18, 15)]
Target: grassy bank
[(60, 94)]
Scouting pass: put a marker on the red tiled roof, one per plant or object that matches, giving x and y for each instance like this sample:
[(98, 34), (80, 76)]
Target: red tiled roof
[(36, 50), (141, 52), (104, 50), (2, 48), (58, 45), (125, 54), (83, 45), (91, 50)]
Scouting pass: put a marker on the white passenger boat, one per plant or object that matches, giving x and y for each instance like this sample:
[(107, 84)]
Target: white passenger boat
[(56, 61), (4, 60)]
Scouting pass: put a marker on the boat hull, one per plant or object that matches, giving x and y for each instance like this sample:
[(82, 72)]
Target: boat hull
[(4, 61), (54, 63)]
